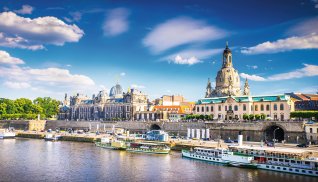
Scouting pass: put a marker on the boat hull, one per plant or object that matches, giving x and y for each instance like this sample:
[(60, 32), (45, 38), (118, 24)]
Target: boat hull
[(204, 158), (108, 146), (149, 151), (287, 169), (7, 135)]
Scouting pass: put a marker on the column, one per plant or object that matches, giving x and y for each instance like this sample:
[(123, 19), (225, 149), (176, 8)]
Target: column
[(198, 134), (207, 131), (189, 133), (192, 133), (203, 133)]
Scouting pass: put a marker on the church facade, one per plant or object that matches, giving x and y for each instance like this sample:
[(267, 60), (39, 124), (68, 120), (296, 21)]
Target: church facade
[(227, 101)]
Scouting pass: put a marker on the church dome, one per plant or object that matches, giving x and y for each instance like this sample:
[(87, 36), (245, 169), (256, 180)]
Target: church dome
[(116, 90)]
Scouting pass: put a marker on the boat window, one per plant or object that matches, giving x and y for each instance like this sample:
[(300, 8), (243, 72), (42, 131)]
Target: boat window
[(284, 168), (290, 169), (286, 160), (267, 166), (292, 161), (298, 162), (273, 167), (296, 170), (303, 171), (278, 167), (306, 162), (275, 159), (316, 172), (310, 172), (281, 160)]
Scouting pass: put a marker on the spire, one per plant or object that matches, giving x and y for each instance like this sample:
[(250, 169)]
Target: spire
[(208, 89), (246, 90)]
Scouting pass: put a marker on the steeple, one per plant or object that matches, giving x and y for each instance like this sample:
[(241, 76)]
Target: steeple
[(227, 57), (208, 89), (246, 90)]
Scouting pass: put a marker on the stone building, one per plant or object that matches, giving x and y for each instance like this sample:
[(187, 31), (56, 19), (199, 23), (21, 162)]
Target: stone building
[(117, 105), (228, 102), (311, 130), (308, 102)]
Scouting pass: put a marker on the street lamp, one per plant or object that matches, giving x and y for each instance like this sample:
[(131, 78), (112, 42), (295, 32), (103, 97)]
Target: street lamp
[(274, 136)]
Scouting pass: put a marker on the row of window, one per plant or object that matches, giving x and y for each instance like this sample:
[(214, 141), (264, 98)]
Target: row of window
[(230, 108), (311, 130)]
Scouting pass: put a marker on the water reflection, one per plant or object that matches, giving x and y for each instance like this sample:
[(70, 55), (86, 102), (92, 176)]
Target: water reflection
[(37, 160)]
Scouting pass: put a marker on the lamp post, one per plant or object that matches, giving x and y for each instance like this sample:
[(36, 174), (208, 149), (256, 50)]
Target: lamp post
[(274, 136)]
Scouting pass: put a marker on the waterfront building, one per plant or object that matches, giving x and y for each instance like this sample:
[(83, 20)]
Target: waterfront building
[(227, 102), (117, 105), (305, 102), (311, 130)]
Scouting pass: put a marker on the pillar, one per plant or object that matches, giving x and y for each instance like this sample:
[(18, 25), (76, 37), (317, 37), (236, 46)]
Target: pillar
[(198, 134)]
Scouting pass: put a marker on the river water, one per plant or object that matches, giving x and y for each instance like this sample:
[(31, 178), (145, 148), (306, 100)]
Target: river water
[(36, 160)]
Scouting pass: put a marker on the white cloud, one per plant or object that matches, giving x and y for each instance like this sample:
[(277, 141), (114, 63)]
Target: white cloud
[(16, 85), (252, 66), (116, 22), (282, 45), (182, 60), (17, 76), (307, 71), (191, 56), (137, 86), (5, 58), (26, 33), (306, 27), (122, 74), (26, 9), (252, 77), (180, 31)]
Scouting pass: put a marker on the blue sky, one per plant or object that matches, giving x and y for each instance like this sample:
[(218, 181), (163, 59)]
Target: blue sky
[(159, 47)]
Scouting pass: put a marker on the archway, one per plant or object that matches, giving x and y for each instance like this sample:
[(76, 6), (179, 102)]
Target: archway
[(155, 127), (274, 131)]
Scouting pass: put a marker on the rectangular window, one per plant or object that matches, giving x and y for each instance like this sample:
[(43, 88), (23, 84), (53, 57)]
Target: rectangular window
[(219, 108), (310, 130)]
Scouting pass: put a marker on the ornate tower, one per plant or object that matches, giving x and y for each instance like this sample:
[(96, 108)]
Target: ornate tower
[(208, 89), (246, 90), (227, 79)]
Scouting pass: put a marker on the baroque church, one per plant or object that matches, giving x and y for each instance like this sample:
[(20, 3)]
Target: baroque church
[(227, 101), (227, 80)]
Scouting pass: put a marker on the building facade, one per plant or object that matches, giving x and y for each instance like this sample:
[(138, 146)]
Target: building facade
[(116, 105), (305, 102), (228, 102), (311, 130)]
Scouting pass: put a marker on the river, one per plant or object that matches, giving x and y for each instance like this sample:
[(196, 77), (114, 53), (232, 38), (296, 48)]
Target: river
[(36, 160)]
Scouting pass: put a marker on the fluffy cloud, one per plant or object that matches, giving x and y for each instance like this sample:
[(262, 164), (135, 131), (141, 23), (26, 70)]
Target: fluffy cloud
[(137, 86), (191, 56), (26, 9), (307, 71), (16, 85), (5, 58), (252, 77), (180, 31), (304, 35), (26, 33), (282, 45), (24, 77), (116, 22)]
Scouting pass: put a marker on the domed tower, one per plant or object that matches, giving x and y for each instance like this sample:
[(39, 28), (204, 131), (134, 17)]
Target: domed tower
[(116, 91), (227, 79), (246, 90)]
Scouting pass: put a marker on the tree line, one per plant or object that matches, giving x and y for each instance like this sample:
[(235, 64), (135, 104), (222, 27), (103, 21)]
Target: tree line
[(24, 108)]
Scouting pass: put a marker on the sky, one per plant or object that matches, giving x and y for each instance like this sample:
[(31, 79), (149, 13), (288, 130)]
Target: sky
[(49, 48)]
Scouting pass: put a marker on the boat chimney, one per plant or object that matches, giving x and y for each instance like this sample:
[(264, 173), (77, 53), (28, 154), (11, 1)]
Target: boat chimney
[(240, 139)]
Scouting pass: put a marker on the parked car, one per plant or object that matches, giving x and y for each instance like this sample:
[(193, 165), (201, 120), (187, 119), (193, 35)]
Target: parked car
[(303, 145), (270, 144), (228, 141)]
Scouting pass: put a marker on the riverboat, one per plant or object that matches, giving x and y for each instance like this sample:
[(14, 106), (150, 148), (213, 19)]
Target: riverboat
[(52, 137), (109, 144), (219, 155), (153, 148), (7, 134), (288, 160)]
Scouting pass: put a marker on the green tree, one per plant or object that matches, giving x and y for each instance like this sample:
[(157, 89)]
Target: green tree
[(263, 116), (3, 108), (50, 106), (257, 116), (245, 116), (251, 117)]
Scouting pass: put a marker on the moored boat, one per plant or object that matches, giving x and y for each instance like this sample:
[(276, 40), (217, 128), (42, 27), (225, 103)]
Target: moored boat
[(110, 144), (52, 137), (7, 134), (222, 156), (153, 148)]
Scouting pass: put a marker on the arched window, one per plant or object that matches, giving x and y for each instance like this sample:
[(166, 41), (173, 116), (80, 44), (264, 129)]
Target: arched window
[(251, 107), (235, 108), (267, 107), (220, 108), (244, 107), (230, 108), (207, 109), (256, 108), (198, 109), (202, 109), (281, 107), (225, 108), (262, 107), (211, 108), (275, 107)]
